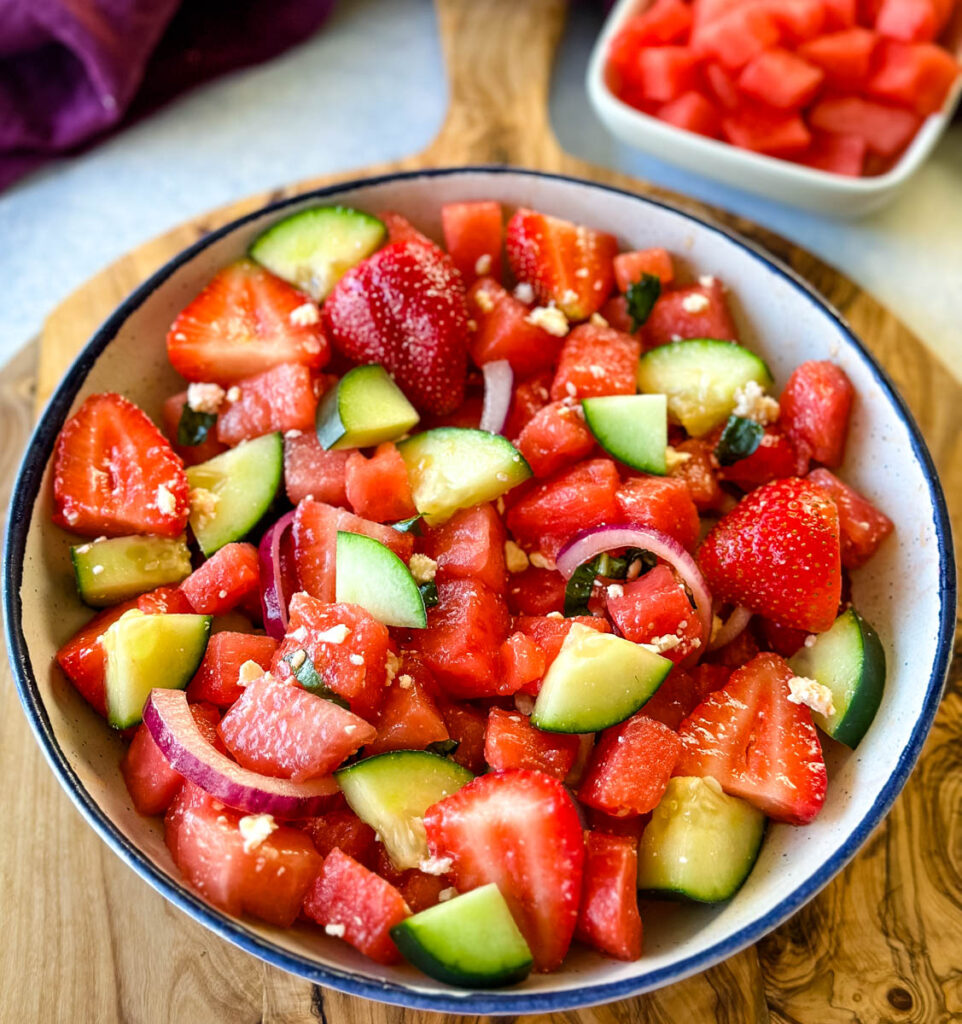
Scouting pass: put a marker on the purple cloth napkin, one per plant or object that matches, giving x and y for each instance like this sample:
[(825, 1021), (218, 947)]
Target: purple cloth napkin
[(72, 70)]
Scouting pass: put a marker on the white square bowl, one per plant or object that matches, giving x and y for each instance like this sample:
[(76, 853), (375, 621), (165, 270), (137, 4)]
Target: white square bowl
[(770, 176)]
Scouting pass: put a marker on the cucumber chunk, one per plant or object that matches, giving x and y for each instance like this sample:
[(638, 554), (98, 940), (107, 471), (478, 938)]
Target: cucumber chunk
[(472, 941), (370, 574), (597, 680), (456, 467), (700, 844), (364, 408), (145, 652), (700, 378), (313, 249), (231, 492), (392, 791), (632, 428), (111, 571), (850, 661)]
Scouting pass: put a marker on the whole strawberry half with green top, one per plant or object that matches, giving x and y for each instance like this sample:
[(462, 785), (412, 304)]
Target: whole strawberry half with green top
[(778, 553), (405, 307)]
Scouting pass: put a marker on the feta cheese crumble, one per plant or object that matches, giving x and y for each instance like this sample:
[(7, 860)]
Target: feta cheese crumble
[(812, 694), (423, 568), (233, 393), (390, 669), (335, 930), (335, 635), (447, 894), (550, 319), (296, 660), (660, 644), (483, 301), (405, 681), (695, 303), (255, 828), (515, 558), (166, 502), (435, 865), (203, 503), (752, 403), (356, 659), (674, 458), (482, 265), (540, 561), (706, 280), (523, 292), (569, 297), (305, 315), (97, 569), (205, 397), (250, 670), (597, 320), (615, 590)]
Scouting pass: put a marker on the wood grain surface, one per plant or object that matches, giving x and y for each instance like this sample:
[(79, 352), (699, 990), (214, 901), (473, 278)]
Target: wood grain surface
[(85, 940)]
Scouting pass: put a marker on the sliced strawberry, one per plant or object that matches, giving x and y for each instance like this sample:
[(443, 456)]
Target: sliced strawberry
[(567, 264), (519, 829), (241, 325), (405, 308), (757, 744), (778, 553), (115, 473)]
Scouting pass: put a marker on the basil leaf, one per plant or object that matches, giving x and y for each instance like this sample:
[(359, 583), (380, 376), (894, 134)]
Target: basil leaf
[(429, 593), (193, 426), (312, 681), (443, 747), (618, 568), (641, 297), (740, 438), (579, 587), (412, 525)]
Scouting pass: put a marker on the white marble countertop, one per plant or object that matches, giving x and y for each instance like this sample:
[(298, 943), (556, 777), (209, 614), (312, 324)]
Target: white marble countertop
[(370, 87)]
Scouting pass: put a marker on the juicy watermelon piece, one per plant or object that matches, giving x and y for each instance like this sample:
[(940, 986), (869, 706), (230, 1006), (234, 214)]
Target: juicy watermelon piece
[(682, 692), (774, 458), (466, 725), (512, 741), (268, 880), (165, 601), (630, 266), (722, 86), (596, 361), (670, 320), (845, 57), (661, 503), (608, 919), (522, 665), (315, 530), (766, 130), (783, 640), (815, 409), (222, 582), (343, 830), (505, 332), (563, 505), (781, 79), (914, 75), (281, 730), (470, 545), (352, 664), (358, 905), (282, 398), (192, 454), (378, 488), (692, 111), (840, 154), (886, 130), (555, 437), (536, 592), (465, 630), (863, 527), (519, 829), (798, 20), (656, 607), (150, 780), (737, 36), (665, 21), (473, 237), (699, 473), (409, 718), (529, 396), (913, 21), (217, 678), (663, 73), (757, 744), (312, 472)]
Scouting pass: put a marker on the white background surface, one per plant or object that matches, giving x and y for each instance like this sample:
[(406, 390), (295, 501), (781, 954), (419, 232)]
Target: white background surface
[(370, 87)]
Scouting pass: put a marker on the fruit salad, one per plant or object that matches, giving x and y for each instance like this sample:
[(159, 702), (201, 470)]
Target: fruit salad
[(467, 593)]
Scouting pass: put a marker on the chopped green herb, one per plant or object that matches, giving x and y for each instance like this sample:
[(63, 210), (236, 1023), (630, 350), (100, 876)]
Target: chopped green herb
[(412, 525), (429, 593), (193, 426), (641, 297), (443, 747), (740, 438), (612, 567), (312, 681)]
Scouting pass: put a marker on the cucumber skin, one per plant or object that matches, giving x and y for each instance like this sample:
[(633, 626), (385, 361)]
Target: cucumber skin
[(328, 423), (355, 544), (421, 958), (656, 465)]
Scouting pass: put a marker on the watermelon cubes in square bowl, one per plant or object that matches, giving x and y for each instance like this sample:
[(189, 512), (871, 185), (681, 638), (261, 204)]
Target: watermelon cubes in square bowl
[(830, 106), (476, 678)]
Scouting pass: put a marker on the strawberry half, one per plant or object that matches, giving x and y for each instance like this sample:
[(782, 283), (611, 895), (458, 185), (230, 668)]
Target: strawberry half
[(519, 829), (567, 264), (244, 323), (778, 553), (405, 308), (757, 744), (115, 473)]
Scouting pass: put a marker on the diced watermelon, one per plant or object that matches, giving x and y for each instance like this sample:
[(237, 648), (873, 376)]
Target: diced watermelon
[(268, 880), (663, 73), (473, 236), (886, 130), (840, 14), (670, 320), (378, 488), (615, 313), (840, 154), (522, 663), (165, 601), (692, 111), (767, 130), (192, 454), (815, 409), (312, 472), (782, 639), (315, 530), (774, 458), (609, 825), (682, 692), (217, 678), (737, 36), (699, 473), (630, 768), (409, 718), (470, 545), (665, 21), (596, 361), (661, 503), (421, 890), (352, 664), (361, 907), (630, 266), (555, 437), (529, 396), (608, 919), (466, 725), (863, 527), (575, 499), (151, 782), (913, 21), (536, 591), (282, 398), (914, 75), (797, 20), (465, 630), (780, 78), (224, 580), (505, 332), (656, 606), (342, 829), (722, 86), (512, 741), (845, 57)]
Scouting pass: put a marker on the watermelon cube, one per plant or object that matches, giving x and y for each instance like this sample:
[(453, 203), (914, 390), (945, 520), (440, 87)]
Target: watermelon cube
[(378, 488), (666, 21), (630, 266), (608, 919), (844, 57), (342, 829), (224, 581), (661, 503), (522, 663), (737, 36), (664, 72), (722, 86), (596, 361), (676, 317), (886, 130), (840, 14), (815, 409), (913, 21), (781, 79), (409, 718), (282, 398), (914, 75), (692, 112), (797, 20), (312, 472), (470, 545), (536, 591), (473, 236), (504, 331), (192, 454), (217, 679), (840, 154), (511, 741), (766, 130), (862, 526), (555, 437)]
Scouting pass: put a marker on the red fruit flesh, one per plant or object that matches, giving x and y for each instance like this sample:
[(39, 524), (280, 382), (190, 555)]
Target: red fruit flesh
[(608, 919)]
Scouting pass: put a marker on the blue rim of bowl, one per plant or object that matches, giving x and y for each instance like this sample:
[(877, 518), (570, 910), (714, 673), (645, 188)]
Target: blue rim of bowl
[(25, 493)]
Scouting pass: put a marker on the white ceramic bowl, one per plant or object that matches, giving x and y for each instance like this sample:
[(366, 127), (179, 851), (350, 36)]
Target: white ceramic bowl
[(907, 592), (754, 172)]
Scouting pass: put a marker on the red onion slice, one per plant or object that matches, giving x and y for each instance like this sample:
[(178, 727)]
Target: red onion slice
[(172, 726), (498, 382), (273, 598), (584, 546), (731, 628)]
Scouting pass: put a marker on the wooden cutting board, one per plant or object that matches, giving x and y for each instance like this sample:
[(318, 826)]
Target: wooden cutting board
[(85, 939)]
